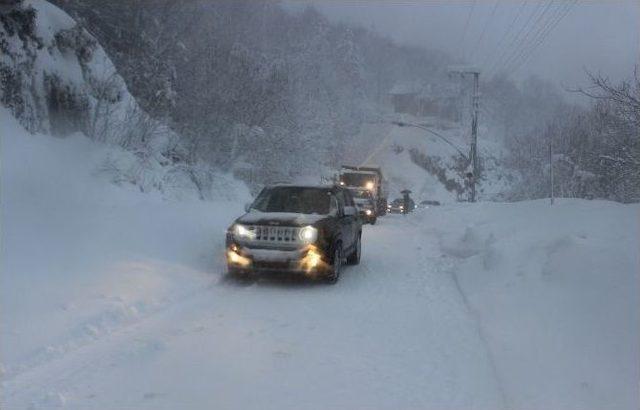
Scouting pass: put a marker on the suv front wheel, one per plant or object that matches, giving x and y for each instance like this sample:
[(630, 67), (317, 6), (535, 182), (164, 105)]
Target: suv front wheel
[(336, 264), (354, 258)]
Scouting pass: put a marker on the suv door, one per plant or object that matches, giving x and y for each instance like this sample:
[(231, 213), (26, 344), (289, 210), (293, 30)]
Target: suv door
[(348, 223), (356, 222)]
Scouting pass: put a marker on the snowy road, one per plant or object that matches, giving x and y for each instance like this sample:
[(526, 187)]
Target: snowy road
[(110, 298), (393, 333)]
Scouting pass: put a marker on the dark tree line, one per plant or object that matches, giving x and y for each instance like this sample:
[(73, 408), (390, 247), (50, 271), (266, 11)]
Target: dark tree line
[(594, 151), (270, 94)]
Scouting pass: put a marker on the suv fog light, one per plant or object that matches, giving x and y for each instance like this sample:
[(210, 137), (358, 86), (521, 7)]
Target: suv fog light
[(312, 260), (236, 259), (368, 212)]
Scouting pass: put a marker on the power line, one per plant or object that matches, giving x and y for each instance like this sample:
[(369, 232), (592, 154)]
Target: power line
[(525, 51), (484, 29), (546, 33), (466, 28), (506, 34), (522, 33), (516, 39), (522, 44)]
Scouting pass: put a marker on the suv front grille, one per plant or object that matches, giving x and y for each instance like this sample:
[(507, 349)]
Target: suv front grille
[(277, 234)]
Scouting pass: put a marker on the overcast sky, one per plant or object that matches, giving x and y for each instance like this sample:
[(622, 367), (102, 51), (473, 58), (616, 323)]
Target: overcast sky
[(596, 35)]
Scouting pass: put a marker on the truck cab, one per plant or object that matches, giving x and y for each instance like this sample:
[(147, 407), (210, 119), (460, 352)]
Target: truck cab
[(369, 178)]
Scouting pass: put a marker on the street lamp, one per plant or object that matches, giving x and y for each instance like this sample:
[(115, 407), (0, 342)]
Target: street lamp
[(470, 175), (408, 124)]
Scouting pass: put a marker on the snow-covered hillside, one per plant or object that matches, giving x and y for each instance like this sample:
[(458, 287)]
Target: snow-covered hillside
[(56, 79), (432, 167)]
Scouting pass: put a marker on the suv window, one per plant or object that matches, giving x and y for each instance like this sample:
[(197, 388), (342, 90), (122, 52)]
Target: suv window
[(334, 205)]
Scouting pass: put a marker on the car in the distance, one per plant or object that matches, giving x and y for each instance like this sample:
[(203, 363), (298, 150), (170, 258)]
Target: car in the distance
[(397, 206), (308, 230), (366, 205)]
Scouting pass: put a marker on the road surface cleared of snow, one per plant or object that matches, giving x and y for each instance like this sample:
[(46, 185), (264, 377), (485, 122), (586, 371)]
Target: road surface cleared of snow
[(112, 298)]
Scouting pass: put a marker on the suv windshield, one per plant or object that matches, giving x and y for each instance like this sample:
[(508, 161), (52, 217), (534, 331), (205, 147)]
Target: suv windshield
[(356, 179), (302, 200)]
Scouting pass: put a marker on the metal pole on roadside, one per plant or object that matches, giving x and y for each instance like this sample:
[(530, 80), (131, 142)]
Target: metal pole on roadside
[(551, 168), (474, 133), (473, 155)]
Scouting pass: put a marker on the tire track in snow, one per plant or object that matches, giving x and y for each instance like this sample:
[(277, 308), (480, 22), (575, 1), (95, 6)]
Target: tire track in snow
[(422, 279), (33, 373), (478, 320), (450, 270), (398, 337)]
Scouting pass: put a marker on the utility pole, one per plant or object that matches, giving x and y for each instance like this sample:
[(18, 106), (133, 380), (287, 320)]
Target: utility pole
[(473, 155), (551, 168), (474, 133)]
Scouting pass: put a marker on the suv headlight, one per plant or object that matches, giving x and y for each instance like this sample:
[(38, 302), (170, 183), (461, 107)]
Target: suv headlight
[(242, 232), (308, 234)]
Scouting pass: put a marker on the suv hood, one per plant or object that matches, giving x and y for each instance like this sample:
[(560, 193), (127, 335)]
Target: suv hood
[(279, 218)]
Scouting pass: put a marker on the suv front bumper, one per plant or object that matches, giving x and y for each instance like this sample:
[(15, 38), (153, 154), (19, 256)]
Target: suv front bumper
[(308, 260)]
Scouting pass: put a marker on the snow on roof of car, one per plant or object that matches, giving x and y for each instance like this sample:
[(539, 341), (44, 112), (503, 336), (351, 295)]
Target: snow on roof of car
[(318, 186), (255, 216)]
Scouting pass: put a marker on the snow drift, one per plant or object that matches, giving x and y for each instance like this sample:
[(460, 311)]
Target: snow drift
[(555, 293), (82, 256)]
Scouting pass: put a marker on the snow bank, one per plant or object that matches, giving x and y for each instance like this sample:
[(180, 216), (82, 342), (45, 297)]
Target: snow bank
[(83, 251), (555, 290), (81, 256)]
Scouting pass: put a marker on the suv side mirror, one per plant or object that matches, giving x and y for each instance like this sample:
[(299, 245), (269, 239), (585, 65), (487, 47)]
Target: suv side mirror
[(247, 207)]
